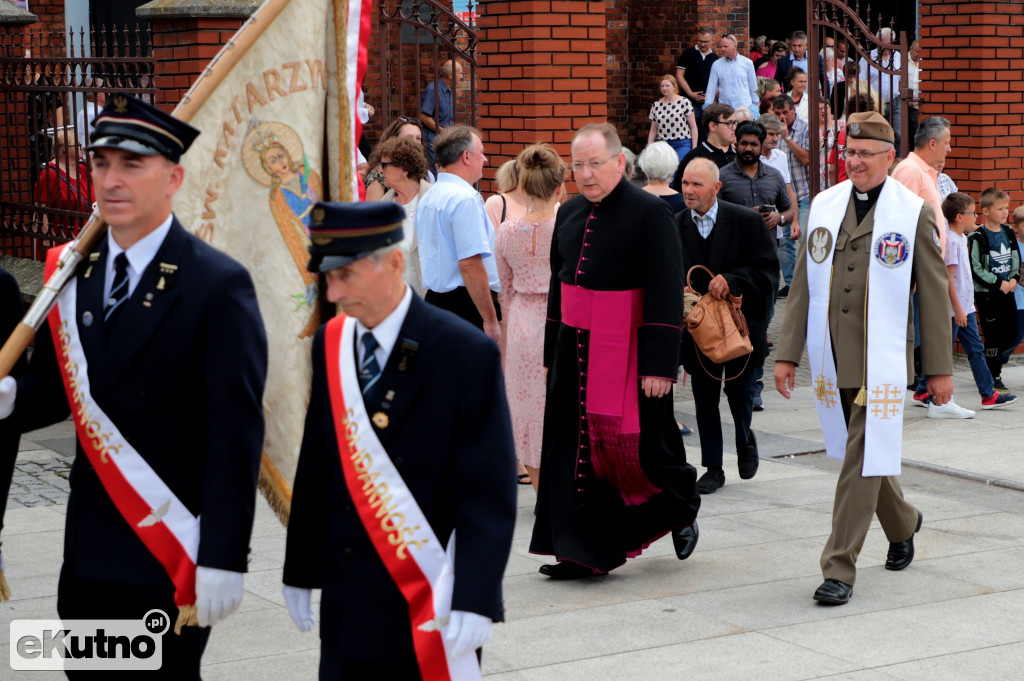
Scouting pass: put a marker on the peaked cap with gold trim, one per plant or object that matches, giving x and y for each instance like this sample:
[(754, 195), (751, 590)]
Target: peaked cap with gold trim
[(341, 233), (131, 124)]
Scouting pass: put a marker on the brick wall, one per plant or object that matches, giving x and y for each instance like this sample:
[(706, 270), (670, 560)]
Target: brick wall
[(645, 38), (49, 12), (984, 106), (182, 48), (542, 74)]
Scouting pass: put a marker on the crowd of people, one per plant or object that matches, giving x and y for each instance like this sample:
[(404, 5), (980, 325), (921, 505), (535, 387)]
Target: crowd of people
[(532, 327)]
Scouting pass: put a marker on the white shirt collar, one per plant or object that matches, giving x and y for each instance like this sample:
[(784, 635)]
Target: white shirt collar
[(139, 254), (386, 333)]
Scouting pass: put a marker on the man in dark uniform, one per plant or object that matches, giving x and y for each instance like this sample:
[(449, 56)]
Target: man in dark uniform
[(171, 360), (373, 495), (613, 475), (11, 310)]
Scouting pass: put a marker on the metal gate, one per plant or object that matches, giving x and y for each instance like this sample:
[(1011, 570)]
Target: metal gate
[(416, 38), (52, 82), (881, 55)]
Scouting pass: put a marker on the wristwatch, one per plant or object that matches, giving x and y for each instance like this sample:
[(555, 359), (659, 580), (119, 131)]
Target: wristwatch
[(782, 218)]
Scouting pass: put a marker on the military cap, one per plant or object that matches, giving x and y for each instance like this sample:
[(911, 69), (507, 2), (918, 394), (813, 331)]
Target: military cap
[(341, 233), (131, 124), (869, 125)]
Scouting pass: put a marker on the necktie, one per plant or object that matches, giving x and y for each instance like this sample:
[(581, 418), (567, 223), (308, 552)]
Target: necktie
[(118, 293), (369, 369)]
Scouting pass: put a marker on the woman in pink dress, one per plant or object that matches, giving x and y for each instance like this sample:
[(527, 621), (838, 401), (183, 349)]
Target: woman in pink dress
[(522, 250)]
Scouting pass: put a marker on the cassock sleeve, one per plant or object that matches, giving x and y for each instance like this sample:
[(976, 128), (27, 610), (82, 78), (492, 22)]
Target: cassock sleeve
[(662, 331), (306, 545), (932, 278), (485, 489), (235, 353)]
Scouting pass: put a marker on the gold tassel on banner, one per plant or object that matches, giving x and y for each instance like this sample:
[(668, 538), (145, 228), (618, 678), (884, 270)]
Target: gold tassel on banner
[(5, 590), (188, 616)]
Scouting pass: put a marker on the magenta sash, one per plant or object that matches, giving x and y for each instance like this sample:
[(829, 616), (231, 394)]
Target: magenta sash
[(612, 395)]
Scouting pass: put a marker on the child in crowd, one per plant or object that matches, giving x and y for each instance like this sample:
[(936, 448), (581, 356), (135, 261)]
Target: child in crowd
[(1018, 293), (995, 265), (959, 212)]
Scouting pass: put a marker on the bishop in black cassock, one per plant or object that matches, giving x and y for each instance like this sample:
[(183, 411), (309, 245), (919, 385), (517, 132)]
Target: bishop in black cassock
[(626, 241)]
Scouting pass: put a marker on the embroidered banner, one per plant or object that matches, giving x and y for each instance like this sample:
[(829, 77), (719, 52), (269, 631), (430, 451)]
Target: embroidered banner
[(268, 104)]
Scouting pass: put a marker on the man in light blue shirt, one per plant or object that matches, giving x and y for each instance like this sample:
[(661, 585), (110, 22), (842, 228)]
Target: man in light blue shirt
[(732, 79), (455, 236)]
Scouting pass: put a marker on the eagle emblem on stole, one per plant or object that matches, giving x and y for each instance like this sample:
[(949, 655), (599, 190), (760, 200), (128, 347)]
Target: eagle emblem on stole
[(892, 249)]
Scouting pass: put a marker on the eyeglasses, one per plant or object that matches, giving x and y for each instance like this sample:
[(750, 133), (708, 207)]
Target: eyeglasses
[(593, 165), (385, 164), (848, 155), (970, 212), (731, 124)]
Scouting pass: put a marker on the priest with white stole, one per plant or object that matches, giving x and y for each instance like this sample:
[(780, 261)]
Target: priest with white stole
[(405, 497), (870, 240)]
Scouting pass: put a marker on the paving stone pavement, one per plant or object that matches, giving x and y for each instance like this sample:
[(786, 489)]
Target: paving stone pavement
[(739, 608)]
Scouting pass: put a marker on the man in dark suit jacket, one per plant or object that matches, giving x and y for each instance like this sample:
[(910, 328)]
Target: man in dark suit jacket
[(733, 243), (177, 358), (440, 426)]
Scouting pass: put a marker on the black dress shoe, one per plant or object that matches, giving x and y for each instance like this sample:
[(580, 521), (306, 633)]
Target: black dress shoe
[(833, 592), (685, 540), (901, 553), (565, 569), (748, 459), (710, 481)]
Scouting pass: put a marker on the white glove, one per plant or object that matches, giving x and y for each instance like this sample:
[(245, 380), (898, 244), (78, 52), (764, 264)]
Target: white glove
[(218, 594), (299, 607), (8, 389), (466, 631)]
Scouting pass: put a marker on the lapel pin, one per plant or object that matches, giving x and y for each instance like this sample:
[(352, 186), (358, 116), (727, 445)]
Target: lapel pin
[(380, 419), (88, 272), (146, 303), (87, 318), (390, 395), (149, 296), (160, 284)]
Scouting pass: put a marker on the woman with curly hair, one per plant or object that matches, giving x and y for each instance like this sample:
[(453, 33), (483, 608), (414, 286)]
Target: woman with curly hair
[(403, 126), (404, 168)]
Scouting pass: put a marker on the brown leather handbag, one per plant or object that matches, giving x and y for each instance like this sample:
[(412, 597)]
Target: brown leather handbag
[(718, 327)]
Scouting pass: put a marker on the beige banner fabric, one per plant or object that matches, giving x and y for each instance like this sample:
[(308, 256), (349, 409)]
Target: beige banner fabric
[(252, 178)]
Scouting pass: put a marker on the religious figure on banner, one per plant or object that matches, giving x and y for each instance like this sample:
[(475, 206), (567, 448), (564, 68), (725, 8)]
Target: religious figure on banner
[(274, 156)]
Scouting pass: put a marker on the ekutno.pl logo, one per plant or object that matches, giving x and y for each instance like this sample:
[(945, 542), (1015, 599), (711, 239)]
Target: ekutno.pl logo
[(89, 645)]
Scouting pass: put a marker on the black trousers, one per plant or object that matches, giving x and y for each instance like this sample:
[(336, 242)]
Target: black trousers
[(79, 598), (997, 316), (461, 303), (707, 394)]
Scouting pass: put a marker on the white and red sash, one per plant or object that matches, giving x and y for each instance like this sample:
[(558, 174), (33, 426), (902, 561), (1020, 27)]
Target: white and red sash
[(400, 532), (159, 519)]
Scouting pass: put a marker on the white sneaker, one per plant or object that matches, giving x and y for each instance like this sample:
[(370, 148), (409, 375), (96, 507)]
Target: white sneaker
[(949, 410)]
